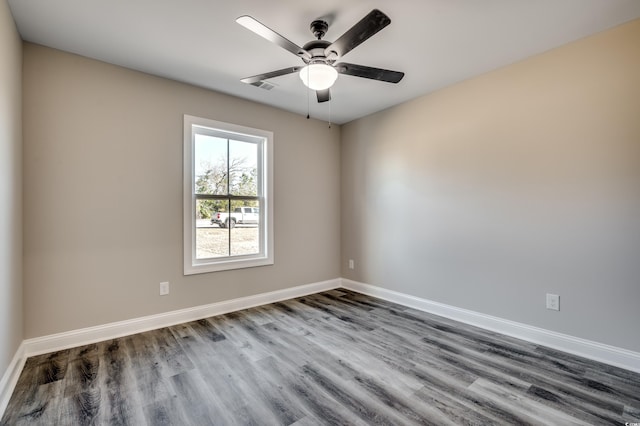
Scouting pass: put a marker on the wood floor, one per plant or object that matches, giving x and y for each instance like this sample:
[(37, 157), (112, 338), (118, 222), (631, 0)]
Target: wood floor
[(332, 358)]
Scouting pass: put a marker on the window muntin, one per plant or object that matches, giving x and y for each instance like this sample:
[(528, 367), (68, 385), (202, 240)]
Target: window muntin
[(228, 208)]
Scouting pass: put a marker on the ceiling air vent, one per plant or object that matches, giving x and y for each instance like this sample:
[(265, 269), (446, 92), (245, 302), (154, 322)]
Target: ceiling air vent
[(263, 85)]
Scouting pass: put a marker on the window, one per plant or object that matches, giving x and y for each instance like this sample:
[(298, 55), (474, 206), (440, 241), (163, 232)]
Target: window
[(228, 205)]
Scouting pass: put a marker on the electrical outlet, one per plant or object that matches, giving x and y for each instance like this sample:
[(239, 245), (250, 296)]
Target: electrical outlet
[(352, 264), (164, 288), (553, 302)]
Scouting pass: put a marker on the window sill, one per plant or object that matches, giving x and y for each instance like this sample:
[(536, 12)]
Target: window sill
[(226, 265)]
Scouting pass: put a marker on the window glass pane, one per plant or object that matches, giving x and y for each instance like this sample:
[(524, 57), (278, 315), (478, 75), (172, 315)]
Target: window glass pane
[(243, 168), (245, 239), (245, 235), (210, 165), (212, 240)]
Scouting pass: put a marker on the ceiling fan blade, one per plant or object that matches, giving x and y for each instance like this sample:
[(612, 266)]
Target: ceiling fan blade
[(262, 30), (323, 95), (258, 78), (360, 32), (369, 72)]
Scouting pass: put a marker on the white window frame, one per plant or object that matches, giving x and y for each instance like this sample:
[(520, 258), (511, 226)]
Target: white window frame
[(192, 265)]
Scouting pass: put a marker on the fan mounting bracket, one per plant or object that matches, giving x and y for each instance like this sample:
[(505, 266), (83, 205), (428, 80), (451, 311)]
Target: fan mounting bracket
[(319, 28)]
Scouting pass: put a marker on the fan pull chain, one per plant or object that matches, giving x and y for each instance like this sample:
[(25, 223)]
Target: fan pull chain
[(308, 90), (329, 112)]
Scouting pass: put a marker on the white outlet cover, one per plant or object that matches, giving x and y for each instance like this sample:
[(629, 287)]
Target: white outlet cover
[(553, 302), (164, 288)]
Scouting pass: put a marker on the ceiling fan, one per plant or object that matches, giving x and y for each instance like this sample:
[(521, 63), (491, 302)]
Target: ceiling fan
[(319, 56)]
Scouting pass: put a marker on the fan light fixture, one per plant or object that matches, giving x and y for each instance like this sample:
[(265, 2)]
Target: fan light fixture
[(318, 76)]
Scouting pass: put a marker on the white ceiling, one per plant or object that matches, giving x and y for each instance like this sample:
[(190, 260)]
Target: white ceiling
[(435, 42)]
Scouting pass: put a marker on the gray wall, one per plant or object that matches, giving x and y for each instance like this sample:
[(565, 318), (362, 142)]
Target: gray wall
[(488, 194), (485, 195), (10, 188), (103, 194)]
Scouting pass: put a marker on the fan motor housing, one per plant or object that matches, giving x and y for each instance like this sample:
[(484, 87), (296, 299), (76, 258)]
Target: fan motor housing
[(316, 48)]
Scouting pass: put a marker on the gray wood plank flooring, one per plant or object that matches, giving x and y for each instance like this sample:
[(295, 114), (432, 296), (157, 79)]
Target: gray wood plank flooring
[(336, 357)]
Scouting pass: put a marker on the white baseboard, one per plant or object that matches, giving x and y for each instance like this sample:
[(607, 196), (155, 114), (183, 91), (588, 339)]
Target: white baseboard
[(607, 354), (10, 377), (85, 336)]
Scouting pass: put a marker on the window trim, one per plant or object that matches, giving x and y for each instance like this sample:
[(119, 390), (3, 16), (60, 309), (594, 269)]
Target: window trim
[(265, 257)]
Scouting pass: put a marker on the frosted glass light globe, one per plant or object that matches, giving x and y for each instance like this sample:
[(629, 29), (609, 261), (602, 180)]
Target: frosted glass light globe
[(318, 76)]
